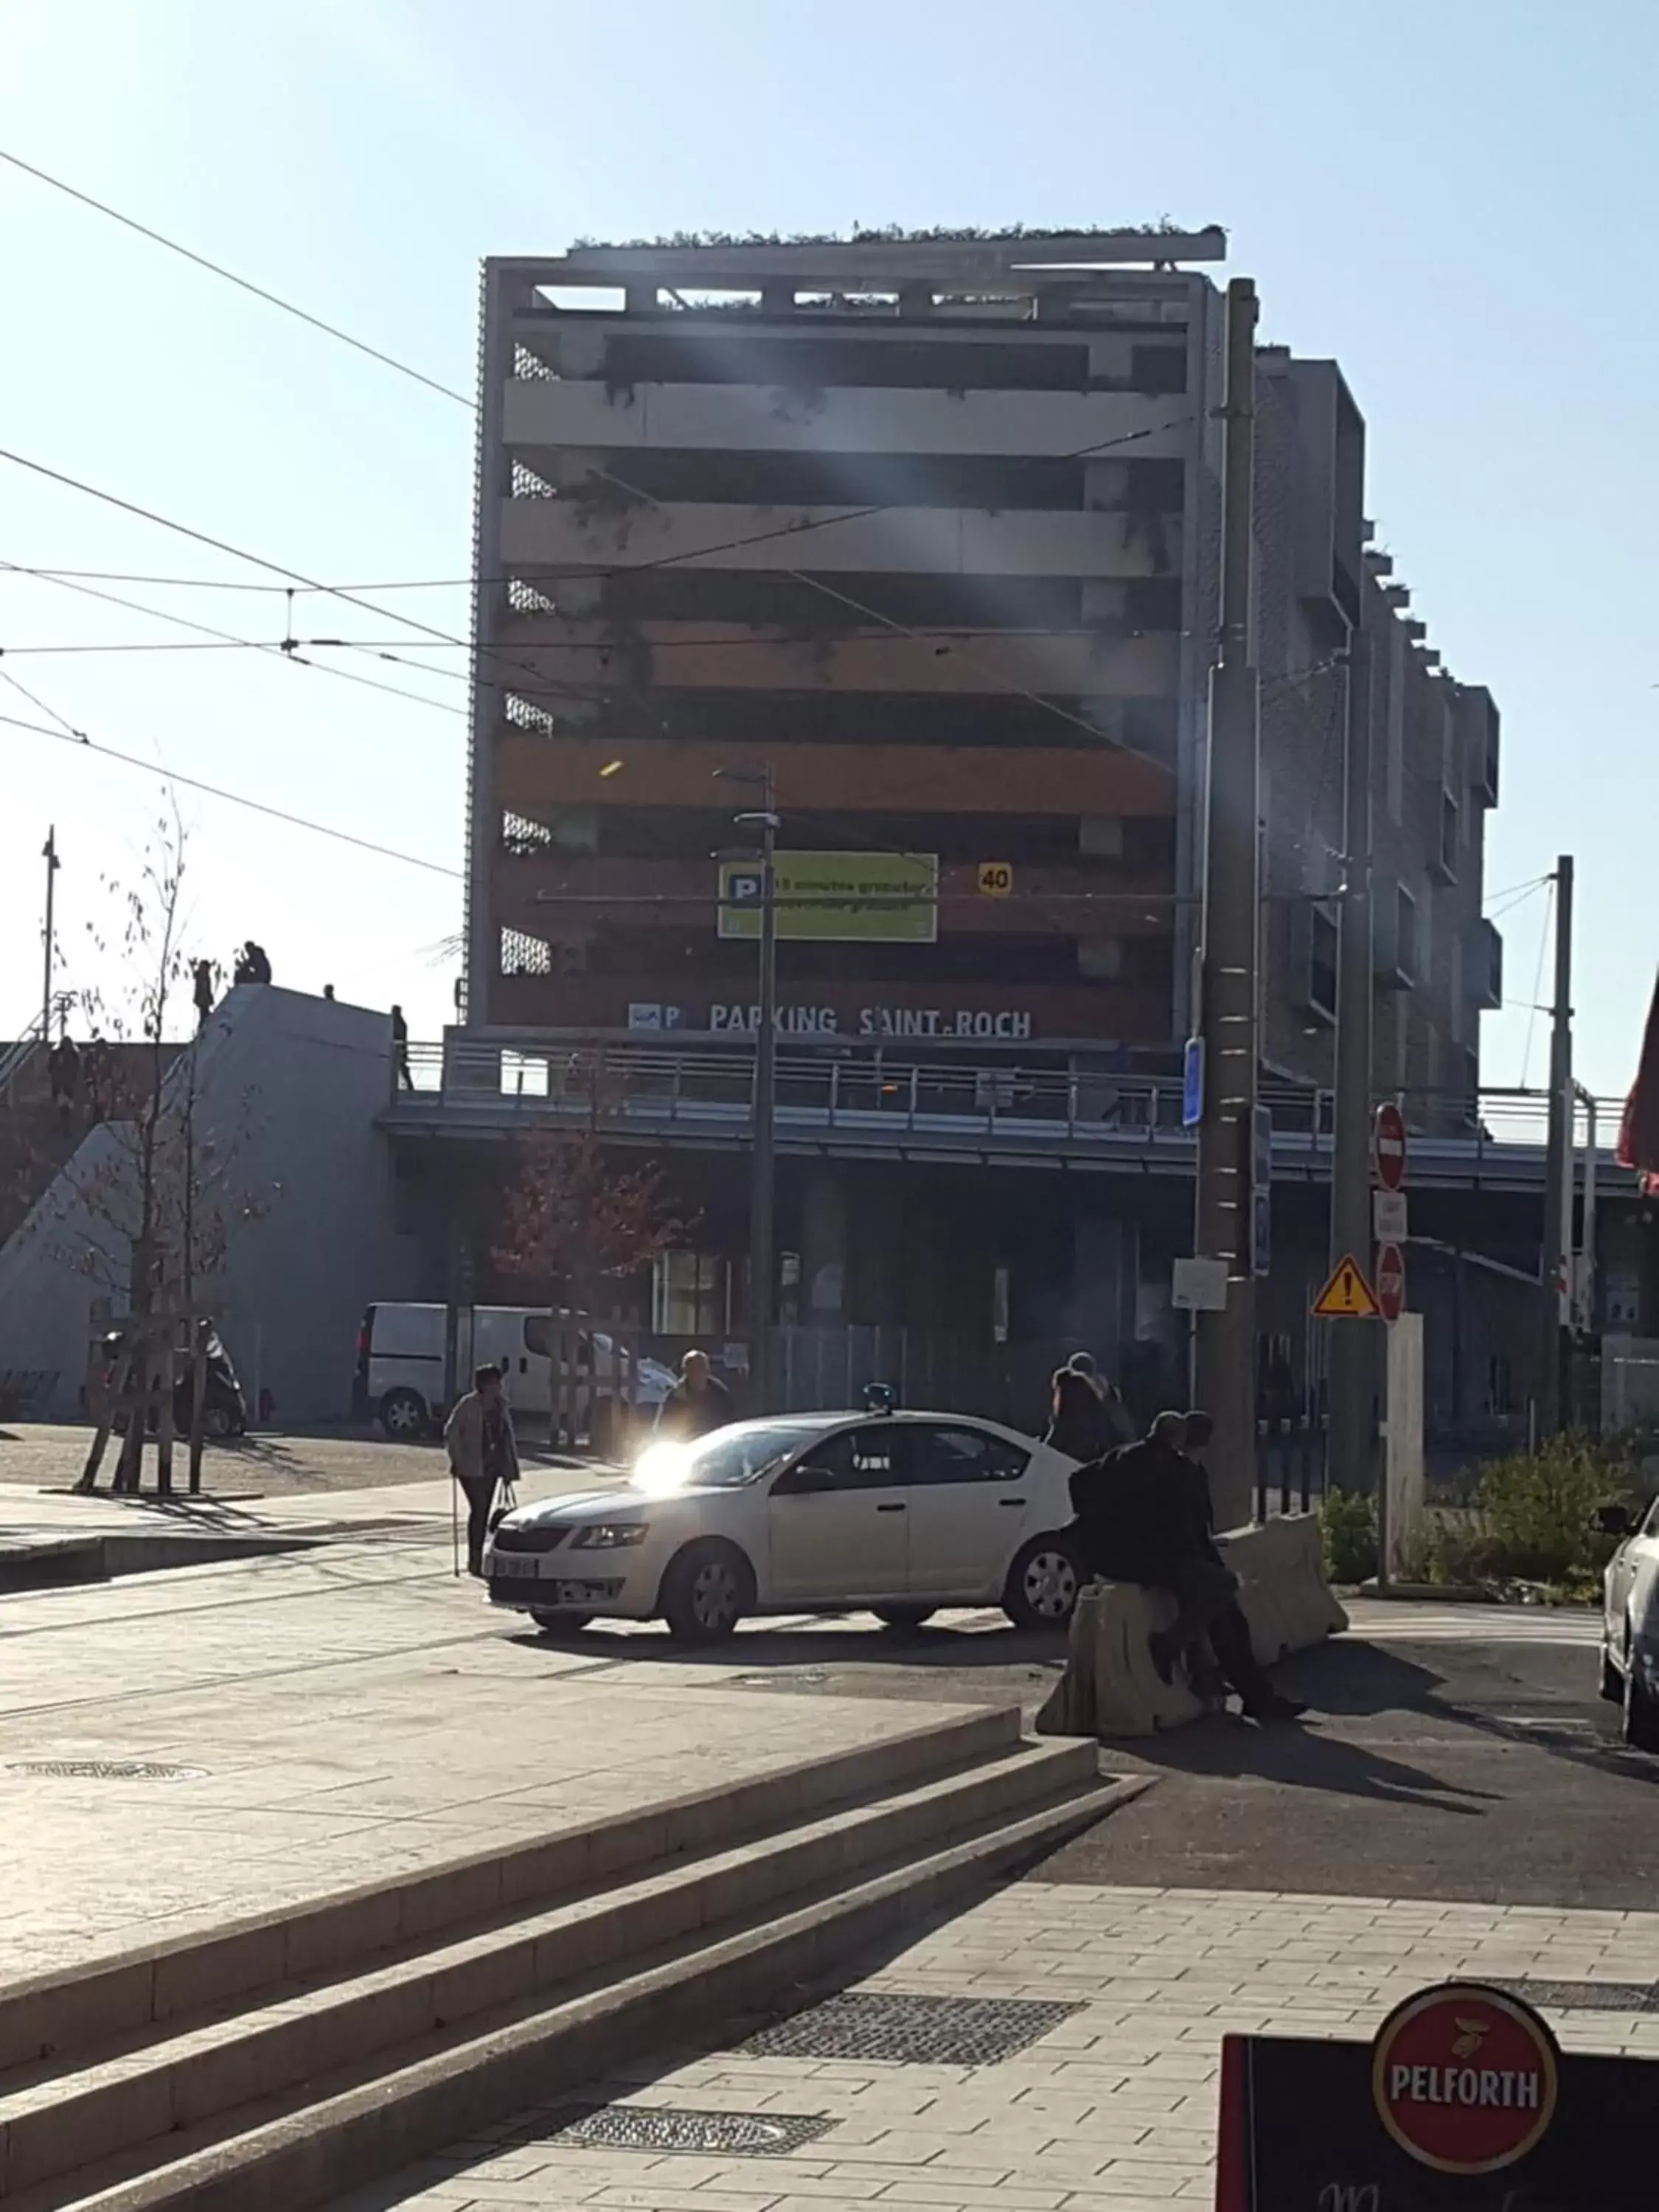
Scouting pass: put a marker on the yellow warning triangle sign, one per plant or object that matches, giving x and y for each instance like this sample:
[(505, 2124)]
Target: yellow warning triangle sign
[(1347, 1296)]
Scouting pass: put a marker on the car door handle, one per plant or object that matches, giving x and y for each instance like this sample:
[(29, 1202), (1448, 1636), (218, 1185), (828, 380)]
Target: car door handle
[(1010, 1501), (890, 1508)]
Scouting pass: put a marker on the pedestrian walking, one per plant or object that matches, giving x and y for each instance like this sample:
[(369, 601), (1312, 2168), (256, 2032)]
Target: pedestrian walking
[(202, 991), (484, 1453), (1077, 1421), (405, 1078), (698, 1403)]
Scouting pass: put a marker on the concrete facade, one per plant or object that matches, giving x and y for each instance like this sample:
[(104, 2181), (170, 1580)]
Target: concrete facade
[(288, 1091), (930, 532)]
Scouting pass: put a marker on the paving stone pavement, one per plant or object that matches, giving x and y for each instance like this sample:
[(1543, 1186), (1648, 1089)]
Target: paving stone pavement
[(1112, 2111), (344, 1715)]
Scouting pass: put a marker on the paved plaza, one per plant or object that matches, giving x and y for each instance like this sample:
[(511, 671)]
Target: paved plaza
[(1111, 2109)]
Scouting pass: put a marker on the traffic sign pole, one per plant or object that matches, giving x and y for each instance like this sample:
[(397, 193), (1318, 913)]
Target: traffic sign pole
[(1352, 1353)]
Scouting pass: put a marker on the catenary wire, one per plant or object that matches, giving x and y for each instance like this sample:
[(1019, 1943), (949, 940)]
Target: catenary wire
[(70, 735), (228, 637)]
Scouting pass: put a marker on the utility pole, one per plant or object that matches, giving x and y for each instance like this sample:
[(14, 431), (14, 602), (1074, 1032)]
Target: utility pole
[(1352, 1362), (1225, 1348), (49, 854), (762, 1182), (1557, 1242)]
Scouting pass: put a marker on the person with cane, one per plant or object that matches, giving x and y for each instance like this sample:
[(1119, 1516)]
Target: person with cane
[(484, 1456)]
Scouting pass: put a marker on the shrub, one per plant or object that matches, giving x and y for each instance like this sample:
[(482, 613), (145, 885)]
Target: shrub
[(1347, 1521), (1538, 1512)]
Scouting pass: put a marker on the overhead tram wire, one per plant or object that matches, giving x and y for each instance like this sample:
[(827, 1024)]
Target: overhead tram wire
[(701, 553), (229, 637), (69, 734)]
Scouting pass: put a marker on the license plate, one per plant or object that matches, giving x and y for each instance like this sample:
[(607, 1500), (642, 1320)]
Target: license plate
[(514, 1566)]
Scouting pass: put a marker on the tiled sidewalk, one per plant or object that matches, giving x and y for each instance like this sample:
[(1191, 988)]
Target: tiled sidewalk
[(1113, 2110)]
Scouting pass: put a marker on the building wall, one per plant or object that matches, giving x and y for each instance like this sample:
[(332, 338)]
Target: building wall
[(995, 664), (288, 1092)]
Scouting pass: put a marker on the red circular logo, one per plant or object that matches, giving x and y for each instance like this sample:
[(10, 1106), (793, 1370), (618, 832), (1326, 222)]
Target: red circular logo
[(1465, 2078)]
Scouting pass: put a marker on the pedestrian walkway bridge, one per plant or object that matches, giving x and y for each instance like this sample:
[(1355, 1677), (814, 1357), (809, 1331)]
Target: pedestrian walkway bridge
[(1076, 1116)]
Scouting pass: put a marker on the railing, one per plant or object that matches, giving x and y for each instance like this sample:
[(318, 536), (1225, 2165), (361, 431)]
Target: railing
[(647, 1088), (18, 1057)]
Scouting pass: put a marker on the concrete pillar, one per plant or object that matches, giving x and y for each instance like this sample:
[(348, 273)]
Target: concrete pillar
[(823, 1250)]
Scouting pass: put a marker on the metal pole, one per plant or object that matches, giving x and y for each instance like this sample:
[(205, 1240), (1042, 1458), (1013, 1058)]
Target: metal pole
[(1585, 1284), (1226, 1360), (1352, 1367), (762, 1164), (1557, 1242), (49, 854)]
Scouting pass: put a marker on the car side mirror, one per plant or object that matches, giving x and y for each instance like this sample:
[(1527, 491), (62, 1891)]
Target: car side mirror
[(807, 1481), (1614, 1520)]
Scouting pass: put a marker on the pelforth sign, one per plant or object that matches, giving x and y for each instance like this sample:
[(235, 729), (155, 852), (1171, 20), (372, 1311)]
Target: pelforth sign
[(1464, 2102)]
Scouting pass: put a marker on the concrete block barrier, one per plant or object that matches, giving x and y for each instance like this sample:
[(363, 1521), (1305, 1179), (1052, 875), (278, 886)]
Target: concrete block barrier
[(1285, 1598), (1110, 1687)]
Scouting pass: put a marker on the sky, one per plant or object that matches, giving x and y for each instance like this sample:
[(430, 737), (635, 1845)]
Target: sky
[(1458, 202)]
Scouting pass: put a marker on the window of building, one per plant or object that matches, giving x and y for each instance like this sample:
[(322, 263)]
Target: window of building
[(1406, 952), (1394, 750), (1455, 1018), (690, 1294), (1322, 941), (524, 955), (1450, 838)]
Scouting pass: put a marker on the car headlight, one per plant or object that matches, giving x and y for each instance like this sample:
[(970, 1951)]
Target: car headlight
[(609, 1536)]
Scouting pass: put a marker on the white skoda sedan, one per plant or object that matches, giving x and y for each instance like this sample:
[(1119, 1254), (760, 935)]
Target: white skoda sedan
[(896, 1513)]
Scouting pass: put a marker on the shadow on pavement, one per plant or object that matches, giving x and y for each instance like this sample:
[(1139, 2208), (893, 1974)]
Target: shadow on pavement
[(856, 1640)]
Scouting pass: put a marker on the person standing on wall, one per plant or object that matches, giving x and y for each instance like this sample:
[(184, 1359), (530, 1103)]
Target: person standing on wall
[(400, 1050), (484, 1453)]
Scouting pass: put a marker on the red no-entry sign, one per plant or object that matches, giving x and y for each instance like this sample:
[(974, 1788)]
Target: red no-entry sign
[(1388, 1147), (1391, 1281)]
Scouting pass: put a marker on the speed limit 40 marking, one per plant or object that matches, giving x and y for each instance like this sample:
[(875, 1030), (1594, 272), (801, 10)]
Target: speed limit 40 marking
[(996, 878)]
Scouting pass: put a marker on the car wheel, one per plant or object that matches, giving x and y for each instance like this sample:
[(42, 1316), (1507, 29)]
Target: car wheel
[(904, 1617), (559, 1623), (216, 1421), (1042, 1585), (1612, 1682), (1641, 1730), (707, 1590), (404, 1414)]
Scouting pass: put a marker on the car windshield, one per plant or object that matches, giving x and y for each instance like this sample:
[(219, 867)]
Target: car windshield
[(724, 1460)]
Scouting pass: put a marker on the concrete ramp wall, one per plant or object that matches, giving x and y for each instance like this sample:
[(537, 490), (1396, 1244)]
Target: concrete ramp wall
[(290, 1086)]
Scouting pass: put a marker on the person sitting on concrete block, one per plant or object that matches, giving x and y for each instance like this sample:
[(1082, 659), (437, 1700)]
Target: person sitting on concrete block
[(1144, 1516)]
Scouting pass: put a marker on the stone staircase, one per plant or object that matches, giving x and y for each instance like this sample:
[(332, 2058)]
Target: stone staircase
[(281, 2062)]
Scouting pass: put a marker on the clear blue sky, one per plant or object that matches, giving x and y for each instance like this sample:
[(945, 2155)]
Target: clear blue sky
[(1456, 201)]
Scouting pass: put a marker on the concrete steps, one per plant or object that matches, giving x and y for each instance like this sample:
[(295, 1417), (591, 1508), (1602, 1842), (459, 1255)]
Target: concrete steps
[(280, 2063)]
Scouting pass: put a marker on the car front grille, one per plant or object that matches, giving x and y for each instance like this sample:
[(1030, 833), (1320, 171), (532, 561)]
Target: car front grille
[(542, 1538)]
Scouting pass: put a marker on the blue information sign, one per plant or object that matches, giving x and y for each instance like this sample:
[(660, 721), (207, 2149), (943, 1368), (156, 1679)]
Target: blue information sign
[(1192, 1083)]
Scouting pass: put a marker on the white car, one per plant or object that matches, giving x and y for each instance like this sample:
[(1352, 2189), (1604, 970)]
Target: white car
[(1629, 1622), (402, 1362), (900, 1513)]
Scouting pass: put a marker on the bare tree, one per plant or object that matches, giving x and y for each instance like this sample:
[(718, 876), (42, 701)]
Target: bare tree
[(145, 1212)]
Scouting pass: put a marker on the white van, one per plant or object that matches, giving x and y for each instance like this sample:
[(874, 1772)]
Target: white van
[(400, 1369)]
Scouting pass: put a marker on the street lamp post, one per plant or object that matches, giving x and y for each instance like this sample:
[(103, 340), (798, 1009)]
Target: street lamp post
[(762, 1183)]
